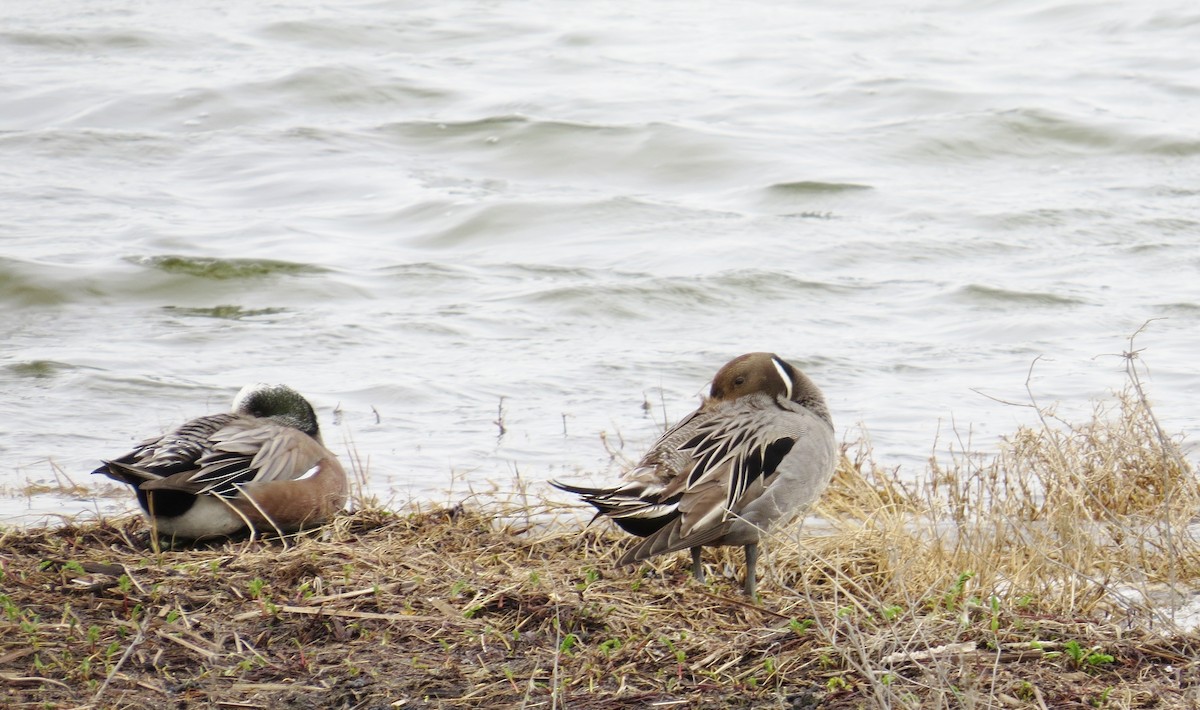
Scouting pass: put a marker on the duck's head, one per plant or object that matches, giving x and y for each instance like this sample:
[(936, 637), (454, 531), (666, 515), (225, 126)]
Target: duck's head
[(754, 373), (769, 374), (279, 403)]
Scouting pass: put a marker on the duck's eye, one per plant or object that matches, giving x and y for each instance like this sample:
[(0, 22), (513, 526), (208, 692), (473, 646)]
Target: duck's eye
[(738, 382)]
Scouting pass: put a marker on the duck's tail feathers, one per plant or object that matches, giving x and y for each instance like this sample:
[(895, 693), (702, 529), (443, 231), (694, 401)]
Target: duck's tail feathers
[(125, 473), (633, 514)]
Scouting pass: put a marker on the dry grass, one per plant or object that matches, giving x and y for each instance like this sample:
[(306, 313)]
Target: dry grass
[(1034, 579)]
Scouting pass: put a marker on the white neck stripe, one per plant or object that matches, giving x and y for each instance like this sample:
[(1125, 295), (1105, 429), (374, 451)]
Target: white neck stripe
[(787, 381)]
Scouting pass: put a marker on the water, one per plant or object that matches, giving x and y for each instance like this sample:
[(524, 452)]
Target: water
[(433, 218)]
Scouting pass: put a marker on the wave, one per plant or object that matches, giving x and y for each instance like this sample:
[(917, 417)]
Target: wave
[(339, 87), (95, 40), (38, 369), (548, 223), (812, 187), (179, 280), (629, 295), (993, 295), (631, 155), (223, 269), (1037, 133), (225, 312)]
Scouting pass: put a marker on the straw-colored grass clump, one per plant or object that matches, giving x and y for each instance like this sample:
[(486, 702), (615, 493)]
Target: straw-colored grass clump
[(1065, 516), (1041, 577)]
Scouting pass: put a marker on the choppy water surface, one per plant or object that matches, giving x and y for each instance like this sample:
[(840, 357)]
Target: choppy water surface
[(431, 218)]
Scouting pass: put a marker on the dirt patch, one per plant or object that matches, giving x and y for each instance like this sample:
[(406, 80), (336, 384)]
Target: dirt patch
[(468, 608)]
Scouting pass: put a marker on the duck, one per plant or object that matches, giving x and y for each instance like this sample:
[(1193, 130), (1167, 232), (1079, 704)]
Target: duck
[(759, 449), (260, 467)]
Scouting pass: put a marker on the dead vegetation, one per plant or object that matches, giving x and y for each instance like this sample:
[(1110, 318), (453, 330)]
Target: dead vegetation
[(1042, 577)]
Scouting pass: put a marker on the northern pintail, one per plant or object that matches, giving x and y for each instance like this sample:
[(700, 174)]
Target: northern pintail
[(758, 449)]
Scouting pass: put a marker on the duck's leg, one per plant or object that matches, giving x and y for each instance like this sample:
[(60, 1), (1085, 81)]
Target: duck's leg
[(697, 568), (751, 562)]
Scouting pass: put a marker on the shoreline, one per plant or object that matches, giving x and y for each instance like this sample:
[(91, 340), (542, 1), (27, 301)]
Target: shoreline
[(1039, 578)]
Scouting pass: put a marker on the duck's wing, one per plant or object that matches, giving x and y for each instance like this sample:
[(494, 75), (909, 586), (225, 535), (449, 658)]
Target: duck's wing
[(175, 452), (243, 451), (734, 456)]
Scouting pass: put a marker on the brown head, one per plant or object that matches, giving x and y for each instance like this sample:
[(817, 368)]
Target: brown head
[(768, 374)]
